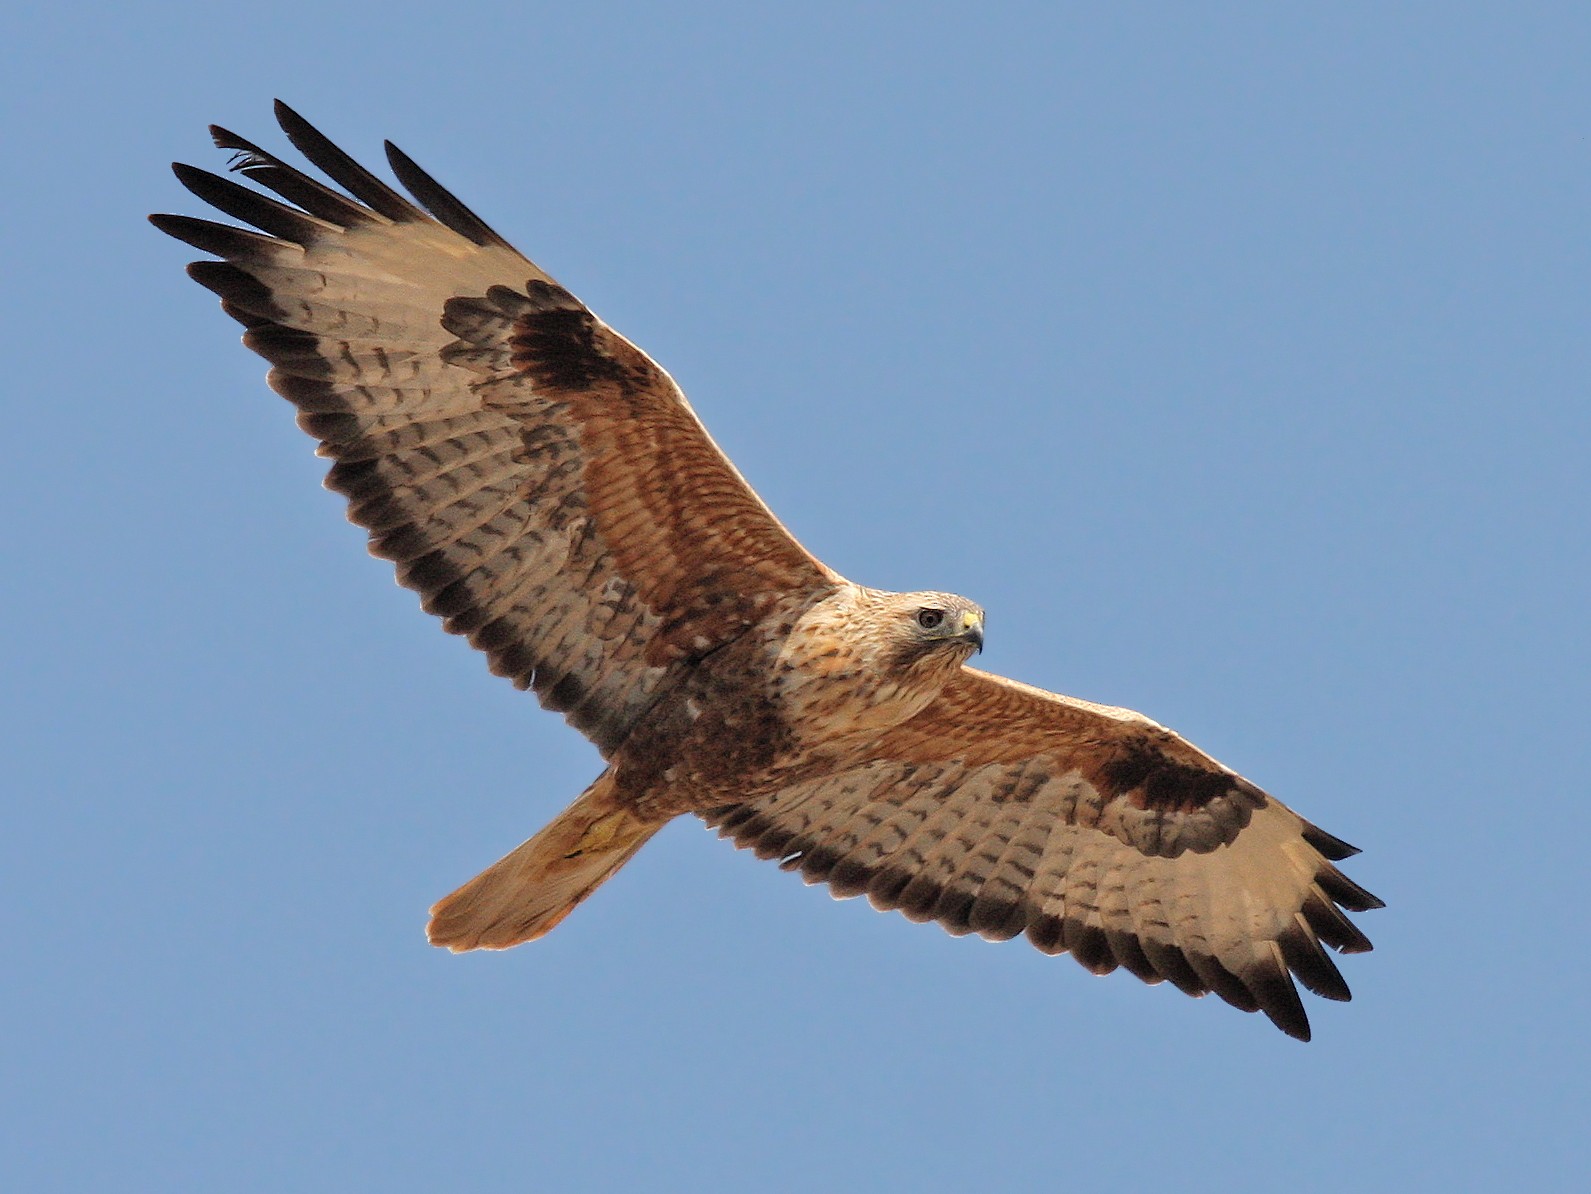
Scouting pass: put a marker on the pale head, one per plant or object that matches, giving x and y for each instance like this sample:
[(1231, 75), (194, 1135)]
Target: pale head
[(865, 659), (928, 626)]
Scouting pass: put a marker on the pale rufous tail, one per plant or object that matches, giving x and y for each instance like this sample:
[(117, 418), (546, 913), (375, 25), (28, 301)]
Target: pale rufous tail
[(524, 895)]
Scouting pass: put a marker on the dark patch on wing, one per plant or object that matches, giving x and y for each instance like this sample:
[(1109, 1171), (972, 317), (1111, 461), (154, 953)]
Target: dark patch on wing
[(1157, 782), (557, 343)]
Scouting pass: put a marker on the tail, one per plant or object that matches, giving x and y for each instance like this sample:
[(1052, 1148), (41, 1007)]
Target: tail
[(524, 895)]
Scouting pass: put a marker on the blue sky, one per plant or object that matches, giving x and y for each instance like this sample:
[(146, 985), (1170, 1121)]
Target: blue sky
[(1233, 356)]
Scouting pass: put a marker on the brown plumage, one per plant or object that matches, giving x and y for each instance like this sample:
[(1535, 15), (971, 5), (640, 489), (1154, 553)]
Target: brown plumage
[(547, 490)]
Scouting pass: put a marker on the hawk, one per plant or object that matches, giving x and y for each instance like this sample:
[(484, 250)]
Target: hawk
[(547, 490)]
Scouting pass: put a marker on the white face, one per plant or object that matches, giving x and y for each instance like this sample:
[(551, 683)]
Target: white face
[(863, 659), (934, 622)]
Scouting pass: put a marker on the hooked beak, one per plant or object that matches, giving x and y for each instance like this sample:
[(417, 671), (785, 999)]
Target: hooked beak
[(972, 629)]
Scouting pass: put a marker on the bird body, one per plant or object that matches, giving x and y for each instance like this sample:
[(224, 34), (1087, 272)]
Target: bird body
[(800, 695), (547, 490)]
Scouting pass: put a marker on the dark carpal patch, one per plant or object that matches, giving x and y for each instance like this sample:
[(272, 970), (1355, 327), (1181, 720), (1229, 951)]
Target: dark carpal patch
[(1159, 783), (557, 343)]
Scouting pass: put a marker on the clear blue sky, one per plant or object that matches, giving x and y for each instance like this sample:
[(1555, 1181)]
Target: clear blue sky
[(1234, 358)]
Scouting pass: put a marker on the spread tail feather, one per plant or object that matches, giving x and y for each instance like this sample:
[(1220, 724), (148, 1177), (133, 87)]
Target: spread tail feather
[(525, 894)]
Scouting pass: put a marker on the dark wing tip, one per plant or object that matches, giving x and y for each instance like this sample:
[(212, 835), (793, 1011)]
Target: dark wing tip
[(278, 219), (223, 138), (1271, 983), (439, 201), (1332, 847), (309, 194), (236, 244), (1345, 891), (286, 116), (342, 169), (246, 156), (1294, 1023), (1307, 958)]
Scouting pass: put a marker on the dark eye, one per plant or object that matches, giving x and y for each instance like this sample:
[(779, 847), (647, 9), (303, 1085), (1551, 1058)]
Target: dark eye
[(930, 619)]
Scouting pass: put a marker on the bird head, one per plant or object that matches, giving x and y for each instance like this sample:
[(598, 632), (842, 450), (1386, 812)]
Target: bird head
[(939, 625)]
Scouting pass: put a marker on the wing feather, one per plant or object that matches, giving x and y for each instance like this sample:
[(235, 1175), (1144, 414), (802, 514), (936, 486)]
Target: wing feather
[(296, 187), (343, 170), (1005, 810), (541, 483), (440, 201)]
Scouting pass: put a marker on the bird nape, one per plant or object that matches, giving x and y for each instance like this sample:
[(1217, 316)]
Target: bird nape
[(546, 489)]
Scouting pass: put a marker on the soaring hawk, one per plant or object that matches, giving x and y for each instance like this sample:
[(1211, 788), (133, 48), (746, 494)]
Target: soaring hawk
[(546, 489)]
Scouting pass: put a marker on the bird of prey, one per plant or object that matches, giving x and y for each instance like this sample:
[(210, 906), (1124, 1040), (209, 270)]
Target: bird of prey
[(549, 493)]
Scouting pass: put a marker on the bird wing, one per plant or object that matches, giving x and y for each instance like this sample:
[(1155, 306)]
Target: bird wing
[(1003, 809), (537, 479)]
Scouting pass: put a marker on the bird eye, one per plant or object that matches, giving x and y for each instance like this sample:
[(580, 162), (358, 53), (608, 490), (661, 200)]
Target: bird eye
[(930, 619)]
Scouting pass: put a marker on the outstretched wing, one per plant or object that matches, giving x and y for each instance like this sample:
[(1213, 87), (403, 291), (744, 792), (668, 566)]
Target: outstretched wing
[(541, 483), (1003, 809)]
